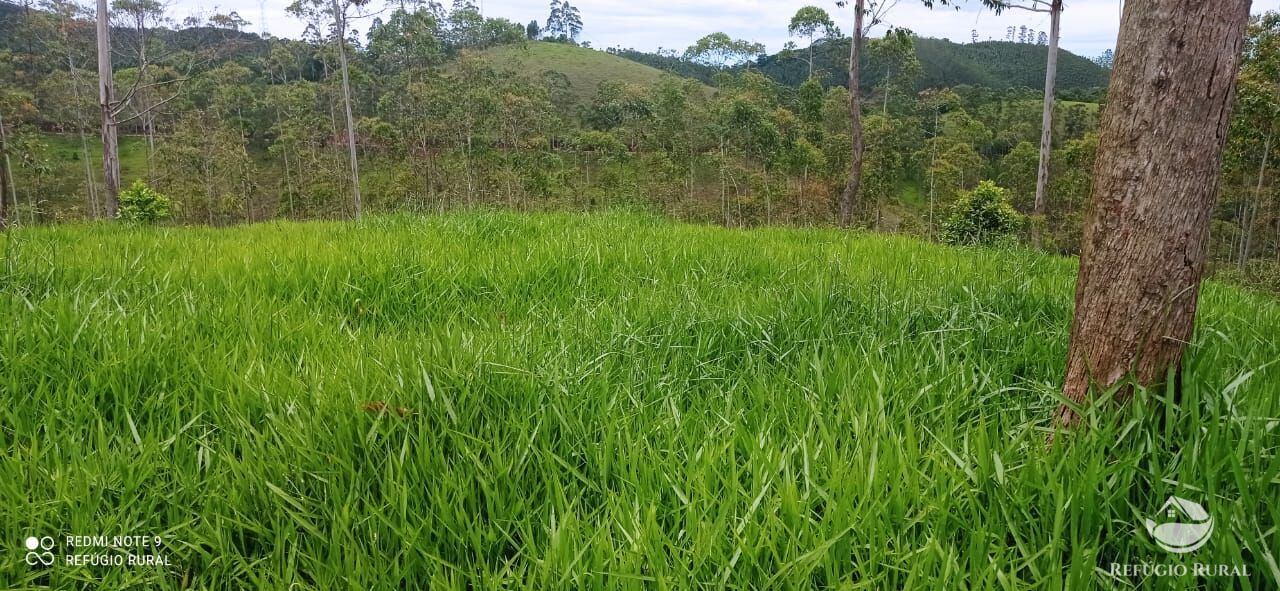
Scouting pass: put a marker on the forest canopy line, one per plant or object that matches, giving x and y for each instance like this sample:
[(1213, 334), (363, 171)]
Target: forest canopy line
[(432, 298), (236, 128)]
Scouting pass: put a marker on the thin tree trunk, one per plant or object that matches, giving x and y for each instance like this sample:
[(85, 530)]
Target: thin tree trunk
[(467, 169), (148, 116), (888, 72), (768, 197), (149, 125), (4, 176), (346, 103), (1247, 224), (804, 180), (88, 176), (1155, 183), (933, 162), (1046, 119), (110, 149), (90, 184), (724, 191), (6, 170), (853, 188)]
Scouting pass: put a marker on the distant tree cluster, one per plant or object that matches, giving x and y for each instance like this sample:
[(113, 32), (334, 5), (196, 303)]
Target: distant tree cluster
[(1106, 59), (720, 50), (564, 22), (1021, 34)]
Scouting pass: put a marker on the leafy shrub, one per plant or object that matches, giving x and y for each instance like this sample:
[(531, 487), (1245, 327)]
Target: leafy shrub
[(140, 203), (982, 216)]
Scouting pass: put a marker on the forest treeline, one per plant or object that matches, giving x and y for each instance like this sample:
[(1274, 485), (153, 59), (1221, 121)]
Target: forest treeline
[(992, 64), (233, 127)]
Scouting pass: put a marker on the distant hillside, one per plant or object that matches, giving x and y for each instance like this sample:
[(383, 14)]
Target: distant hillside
[(994, 64), (584, 68), (216, 44), (668, 63)]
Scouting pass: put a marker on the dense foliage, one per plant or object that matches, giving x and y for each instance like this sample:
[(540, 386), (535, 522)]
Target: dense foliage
[(140, 203), (981, 217), (993, 64), (455, 109)]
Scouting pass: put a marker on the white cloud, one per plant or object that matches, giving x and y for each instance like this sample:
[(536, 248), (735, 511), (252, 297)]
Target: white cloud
[(1088, 26)]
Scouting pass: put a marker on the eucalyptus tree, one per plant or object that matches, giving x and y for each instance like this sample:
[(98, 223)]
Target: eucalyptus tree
[(866, 15), (1155, 184), (1054, 9), (406, 41), (812, 22), (720, 50), (110, 105), (572, 21), (107, 106), (5, 175), (143, 16), (896, 53), (564, 21), (337, 10), (70, 18), (1255, 130)]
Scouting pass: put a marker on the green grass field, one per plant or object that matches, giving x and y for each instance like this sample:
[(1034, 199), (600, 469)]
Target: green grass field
[(65, 151), (482, 401)]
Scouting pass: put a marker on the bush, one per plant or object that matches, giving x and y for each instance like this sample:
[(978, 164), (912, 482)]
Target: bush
[(982, 216), (140, 203)]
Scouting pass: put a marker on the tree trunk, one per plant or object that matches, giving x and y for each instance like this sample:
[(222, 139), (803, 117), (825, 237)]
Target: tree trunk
[(346, 103), (1252, 210), (724, 189), (933, 163), (888, 73), (110, 150), (1155, 183), (853, 188), (90, 184), (148, 116), (1046, 119), (4, 176)]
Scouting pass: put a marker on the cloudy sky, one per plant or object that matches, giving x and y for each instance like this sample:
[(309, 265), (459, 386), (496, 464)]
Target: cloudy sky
[(1088, 26)]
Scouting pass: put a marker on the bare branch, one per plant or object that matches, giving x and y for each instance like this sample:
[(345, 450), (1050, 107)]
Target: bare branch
[(1029, 9), (877, 13), (1035, 6), (149, 109)]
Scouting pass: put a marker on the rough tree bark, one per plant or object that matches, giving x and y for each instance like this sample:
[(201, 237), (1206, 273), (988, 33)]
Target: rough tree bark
[(853, 188), (1046, 119), (110, 149), (1155, 183)]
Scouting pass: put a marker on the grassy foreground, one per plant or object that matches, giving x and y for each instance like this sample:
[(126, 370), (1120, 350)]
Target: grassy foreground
[(482, 401)]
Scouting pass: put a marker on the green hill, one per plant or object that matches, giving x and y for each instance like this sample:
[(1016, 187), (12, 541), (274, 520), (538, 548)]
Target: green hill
[(994, 64), (584, 68)]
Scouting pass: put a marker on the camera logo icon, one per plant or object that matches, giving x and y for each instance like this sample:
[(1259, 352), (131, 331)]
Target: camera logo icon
[(39, 551), (1186, 527)]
